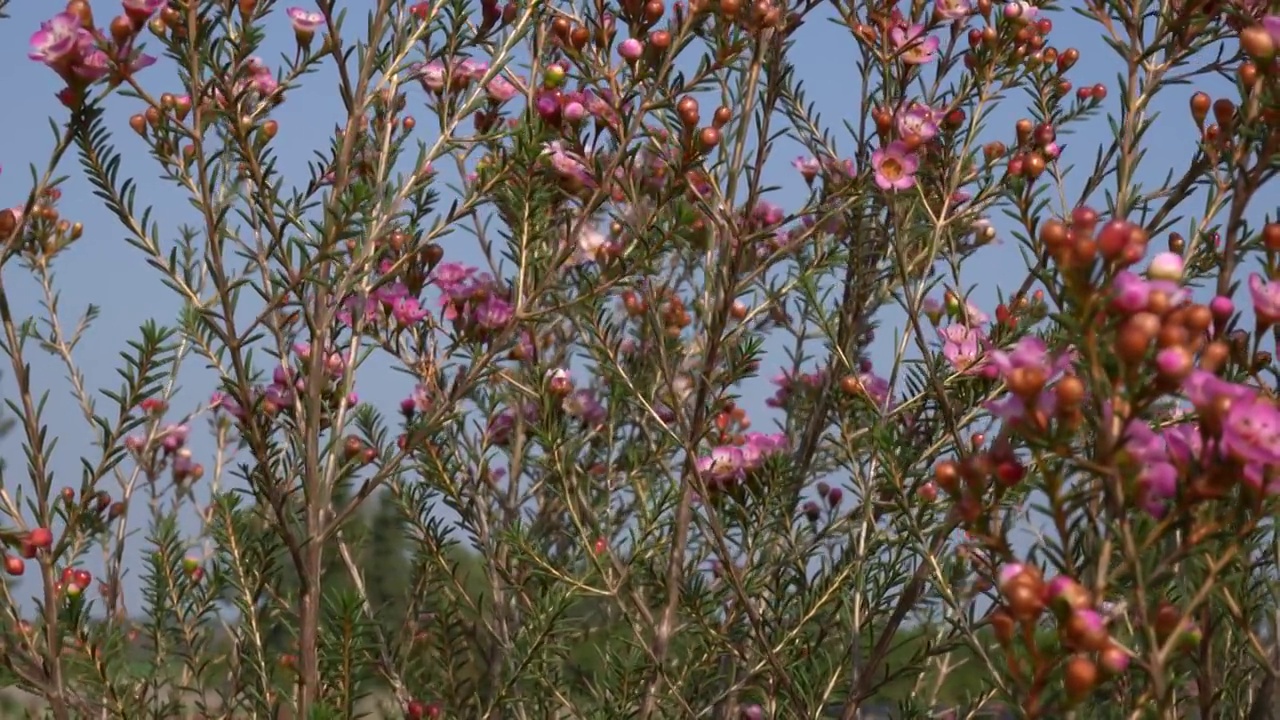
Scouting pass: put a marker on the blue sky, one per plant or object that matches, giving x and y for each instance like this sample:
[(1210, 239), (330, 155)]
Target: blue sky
[(102, 269)]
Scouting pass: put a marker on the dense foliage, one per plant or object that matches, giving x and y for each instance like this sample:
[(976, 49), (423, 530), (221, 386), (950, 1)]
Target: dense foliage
[(554, 228)]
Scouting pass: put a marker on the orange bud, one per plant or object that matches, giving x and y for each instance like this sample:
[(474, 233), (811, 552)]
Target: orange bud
[(1200, 103), (1081, 677)]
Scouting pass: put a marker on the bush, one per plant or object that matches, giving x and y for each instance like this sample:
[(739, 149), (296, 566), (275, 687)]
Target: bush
[(462, 410)]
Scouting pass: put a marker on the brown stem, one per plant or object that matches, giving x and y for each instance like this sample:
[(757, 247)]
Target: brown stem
[(40, 477), (860, 686), (309, 618)]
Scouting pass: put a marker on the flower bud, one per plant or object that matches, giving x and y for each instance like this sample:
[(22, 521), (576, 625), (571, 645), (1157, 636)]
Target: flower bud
[(947, 476), (1085, 629), (1069, 391), (1024, 601), (952, 302), (1135, 336), (1224, 112), (708, 139), (554, 76), (1080, 678), (1113, 238), (1067, 59), (121, 30), (1222, 309), (1257, 43), (1013, 574), (1166, 266), (1084, 219), (1271, 236), (630, 49), (1065, 595), (1174, 364), (1114, 660), (1190, 637), (8, 222), (928, 492)]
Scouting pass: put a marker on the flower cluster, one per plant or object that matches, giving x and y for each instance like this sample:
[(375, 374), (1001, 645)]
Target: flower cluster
[(1082, 627), (82, 54), (287, 380), (164, 446), (638, 271), (728, 465)]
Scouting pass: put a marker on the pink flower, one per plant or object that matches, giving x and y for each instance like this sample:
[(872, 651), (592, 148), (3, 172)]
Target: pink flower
[(1184, 442), (960, 346), (767, 213), (1157, 485), (407, 311), (972, 315), (1131, 293), (919, 120), (1271, 23), (304, 22), (760, 446), (582, 404), (94, 65), (912, 45), (73, 52), (895, 166), (723, 465), (56, 40), (257, 77), (1020, 12), (173, 437), (1008, 573), (1266, 299), (1029, 353), (500, 89), (1251, 435), (808, 167), (590, 246), (470, 70), (431, 76), (574, 111), (876, 388), (1065, 595), (221, 402), (452, 277), (419, 400), (493, 313), (1203, 388), (564, 164), (502, 424), (140, 10), (953, 9)]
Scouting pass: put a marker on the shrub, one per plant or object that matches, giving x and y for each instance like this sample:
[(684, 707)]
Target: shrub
[(476, 420)]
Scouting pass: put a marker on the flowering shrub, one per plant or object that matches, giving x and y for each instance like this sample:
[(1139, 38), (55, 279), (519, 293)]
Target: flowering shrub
[(556, 230)]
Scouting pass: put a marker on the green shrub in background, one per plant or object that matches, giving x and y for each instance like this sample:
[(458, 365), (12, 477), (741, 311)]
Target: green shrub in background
[(544, 387)]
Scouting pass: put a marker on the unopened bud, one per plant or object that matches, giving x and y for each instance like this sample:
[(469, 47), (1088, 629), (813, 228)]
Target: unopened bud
[(1166, 266)]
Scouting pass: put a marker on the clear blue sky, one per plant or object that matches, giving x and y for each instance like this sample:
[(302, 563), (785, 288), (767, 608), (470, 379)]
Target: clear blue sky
[(102, 269)]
